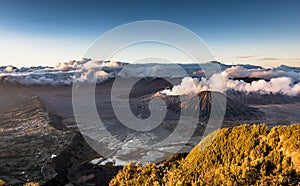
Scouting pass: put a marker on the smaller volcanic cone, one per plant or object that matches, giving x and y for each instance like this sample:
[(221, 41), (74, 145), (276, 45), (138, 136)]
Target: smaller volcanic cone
[(209, 99)]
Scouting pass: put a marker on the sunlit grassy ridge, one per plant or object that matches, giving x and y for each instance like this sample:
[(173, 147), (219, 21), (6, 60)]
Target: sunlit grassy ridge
[(242, 155)]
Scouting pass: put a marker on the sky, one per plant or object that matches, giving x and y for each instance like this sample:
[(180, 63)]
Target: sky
[(35, 32)]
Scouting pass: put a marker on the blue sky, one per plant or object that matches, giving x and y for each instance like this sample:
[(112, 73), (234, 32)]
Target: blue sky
[(34, 32)]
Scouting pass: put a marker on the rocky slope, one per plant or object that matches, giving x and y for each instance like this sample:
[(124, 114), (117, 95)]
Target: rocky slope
[(37, 147)]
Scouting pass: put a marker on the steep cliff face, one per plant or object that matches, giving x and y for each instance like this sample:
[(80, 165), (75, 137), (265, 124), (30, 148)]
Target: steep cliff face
[(30, 137), (37, 147)]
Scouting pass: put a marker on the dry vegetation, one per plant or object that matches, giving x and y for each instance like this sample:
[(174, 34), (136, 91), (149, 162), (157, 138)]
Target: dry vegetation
[(2, 183), (31, 184), (243, 155)]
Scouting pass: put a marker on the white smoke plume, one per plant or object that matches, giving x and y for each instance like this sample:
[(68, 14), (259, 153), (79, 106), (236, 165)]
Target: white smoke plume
[(192, 86), (188, 86)]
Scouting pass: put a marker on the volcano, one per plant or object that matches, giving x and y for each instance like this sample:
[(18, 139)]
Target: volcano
[(208, 101)]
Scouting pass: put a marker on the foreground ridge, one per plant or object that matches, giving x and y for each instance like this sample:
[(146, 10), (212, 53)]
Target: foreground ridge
[(242, 155)]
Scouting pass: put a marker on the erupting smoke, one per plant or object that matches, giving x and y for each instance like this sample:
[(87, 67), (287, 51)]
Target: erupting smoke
[(192, 86)]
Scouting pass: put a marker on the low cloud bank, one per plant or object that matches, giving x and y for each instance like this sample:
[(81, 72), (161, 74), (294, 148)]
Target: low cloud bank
[(272, 82), (279, 80)]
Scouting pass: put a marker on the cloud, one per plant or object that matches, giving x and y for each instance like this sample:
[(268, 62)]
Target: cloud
[(245, 57), (282, 85), (192, 86), (265, 58), (279, 82), (275, 59), (282, 80), (269, 59), (239, 71)]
